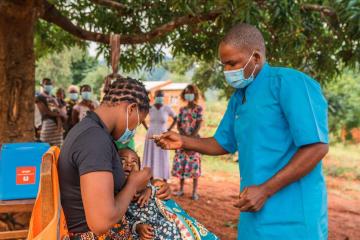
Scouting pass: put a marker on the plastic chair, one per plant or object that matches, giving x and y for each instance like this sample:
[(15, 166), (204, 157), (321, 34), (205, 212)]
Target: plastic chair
[(47, 219)]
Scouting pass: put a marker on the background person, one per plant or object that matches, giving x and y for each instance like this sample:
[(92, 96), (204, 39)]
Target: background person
[(73, 93), (187, 163), (52, 115), (86, 104), (154, 157)]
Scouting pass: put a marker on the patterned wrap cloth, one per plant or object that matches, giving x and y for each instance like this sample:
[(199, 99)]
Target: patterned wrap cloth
[(120, 231)]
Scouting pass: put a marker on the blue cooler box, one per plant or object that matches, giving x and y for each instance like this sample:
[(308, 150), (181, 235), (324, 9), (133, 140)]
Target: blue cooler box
[(20, 169)]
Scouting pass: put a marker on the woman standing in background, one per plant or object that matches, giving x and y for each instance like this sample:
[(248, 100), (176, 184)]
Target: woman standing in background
[(154, 157), (187, 164), (87, 104)]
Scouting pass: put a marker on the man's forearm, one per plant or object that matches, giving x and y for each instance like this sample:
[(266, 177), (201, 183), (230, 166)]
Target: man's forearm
[(208, 146), (304, 160)]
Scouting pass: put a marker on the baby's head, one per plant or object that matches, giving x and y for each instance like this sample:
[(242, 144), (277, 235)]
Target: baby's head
[(130, 160)]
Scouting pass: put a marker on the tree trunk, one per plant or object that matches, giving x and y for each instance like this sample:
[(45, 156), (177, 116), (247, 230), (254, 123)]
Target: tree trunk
[(17, 70)]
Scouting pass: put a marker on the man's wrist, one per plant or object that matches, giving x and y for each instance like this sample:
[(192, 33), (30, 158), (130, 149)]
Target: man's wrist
[(268, 189)]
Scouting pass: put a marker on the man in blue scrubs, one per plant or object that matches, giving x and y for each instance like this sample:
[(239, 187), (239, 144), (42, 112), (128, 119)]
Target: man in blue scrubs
[(277, 121)]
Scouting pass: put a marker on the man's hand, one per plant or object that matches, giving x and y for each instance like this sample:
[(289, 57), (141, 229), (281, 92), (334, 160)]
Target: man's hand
[(144, 197), (164, 193), (169, 140), (145, 231), (252, 198)]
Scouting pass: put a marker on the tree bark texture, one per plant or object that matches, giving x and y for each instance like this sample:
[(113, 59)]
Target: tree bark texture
[(17, 70)]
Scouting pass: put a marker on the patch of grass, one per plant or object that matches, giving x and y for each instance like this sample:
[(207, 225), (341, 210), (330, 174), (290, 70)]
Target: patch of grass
[(223, 164), (343, 161)]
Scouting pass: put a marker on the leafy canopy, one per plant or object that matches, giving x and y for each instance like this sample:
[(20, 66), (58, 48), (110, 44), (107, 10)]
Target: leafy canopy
[(319, 37)]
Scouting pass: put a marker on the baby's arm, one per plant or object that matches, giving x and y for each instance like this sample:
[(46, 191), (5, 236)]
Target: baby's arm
[(145, 196), (137, 221)]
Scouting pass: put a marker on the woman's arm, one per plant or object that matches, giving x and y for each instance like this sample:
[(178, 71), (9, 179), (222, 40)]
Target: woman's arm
[(74, 116), (173, 123), (197, 128), (45, 111), (178, 126), (102, 209)]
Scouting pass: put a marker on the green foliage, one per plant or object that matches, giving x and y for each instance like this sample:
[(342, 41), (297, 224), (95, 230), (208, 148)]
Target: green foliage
[(95, 78), (343, 95), (66, 67), (82, 66), (55, 66), (50, 38), (319, 44)]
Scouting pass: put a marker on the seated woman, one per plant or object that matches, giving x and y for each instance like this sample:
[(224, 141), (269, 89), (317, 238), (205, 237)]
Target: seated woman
[(151, 218), (94, 192)]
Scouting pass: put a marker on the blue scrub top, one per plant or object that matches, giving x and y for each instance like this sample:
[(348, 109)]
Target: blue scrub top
[(284, 110)]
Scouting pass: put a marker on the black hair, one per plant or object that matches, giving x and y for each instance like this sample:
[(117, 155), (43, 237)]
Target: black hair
[(126, 89), (85, 86), (245, 35), (192, 88), (46, 80), (157, 92)]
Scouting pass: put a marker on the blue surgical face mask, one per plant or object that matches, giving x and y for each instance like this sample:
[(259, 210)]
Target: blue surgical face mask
[(189, 97), (48, 88), (129, 134), (74, 96), (236, 78), (159, 100), (86, 95)]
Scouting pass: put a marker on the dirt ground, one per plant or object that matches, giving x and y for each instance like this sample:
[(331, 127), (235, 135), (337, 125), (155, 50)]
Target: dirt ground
[(218, 193)]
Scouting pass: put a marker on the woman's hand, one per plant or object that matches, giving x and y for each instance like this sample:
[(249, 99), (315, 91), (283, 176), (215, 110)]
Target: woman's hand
[(145, 231), (164, 192), (144, 197), (139, 179), (169, 141)]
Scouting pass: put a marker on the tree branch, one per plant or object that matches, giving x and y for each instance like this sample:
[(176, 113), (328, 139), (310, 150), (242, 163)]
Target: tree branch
[(51, 14), (318, 8), (111, 4)]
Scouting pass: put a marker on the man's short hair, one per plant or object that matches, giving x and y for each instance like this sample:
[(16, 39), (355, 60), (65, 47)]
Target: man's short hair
[(245, 35)]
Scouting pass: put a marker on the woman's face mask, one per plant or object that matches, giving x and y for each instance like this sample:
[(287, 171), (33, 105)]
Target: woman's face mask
[(86, 95), (159, 100), (129, 134), (190, 97), (236, 78), (74, 96), (48, 88)]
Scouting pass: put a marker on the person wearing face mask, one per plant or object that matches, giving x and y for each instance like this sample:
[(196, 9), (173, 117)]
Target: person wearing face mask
[(277, 121), (187, 164), (154, 157), (52, 115), (86, 104), (94, 193), (72, 100)]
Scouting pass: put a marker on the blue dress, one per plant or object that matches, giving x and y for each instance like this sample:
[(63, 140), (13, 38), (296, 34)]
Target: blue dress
[(279, 112)]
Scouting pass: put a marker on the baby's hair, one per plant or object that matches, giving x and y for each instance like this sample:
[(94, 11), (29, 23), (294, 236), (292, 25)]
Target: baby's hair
[(192, 88), (126, 89), (133, 151)]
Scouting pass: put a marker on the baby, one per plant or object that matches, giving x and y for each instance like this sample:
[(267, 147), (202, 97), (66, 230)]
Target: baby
[(144, 216)]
